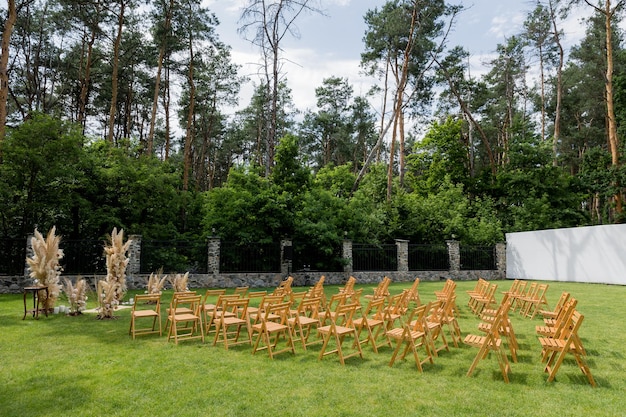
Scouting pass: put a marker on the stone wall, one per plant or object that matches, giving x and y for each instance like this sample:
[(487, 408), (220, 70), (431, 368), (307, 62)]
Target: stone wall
[(215, 279)]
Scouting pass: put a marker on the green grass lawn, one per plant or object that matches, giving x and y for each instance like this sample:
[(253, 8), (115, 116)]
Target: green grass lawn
[(62, 365)]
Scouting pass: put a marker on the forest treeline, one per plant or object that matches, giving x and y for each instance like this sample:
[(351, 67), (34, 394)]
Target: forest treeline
[(92, 92)]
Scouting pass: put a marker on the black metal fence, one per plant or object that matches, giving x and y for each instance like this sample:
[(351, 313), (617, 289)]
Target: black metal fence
[(12, 256), (375, 257), (87, 257), (428, 258), (475, 258), (174, 256), (258, 257), (83, 257), (307, 258)]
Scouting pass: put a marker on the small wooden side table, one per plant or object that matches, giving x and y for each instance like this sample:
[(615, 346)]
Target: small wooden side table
[(36, 300)]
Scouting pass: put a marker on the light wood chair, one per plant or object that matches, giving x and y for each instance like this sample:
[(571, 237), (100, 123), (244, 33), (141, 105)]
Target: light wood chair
[(348, 288), (242, 291), (213, 312), (486, 300), (552, 314), (333, 304), (381, 290), (414, 295), (271, 330), (567, 343), (228, 327), (373, 322), (535, 301), (434, 324), (305, 321), (266, 301), (181, 308), (491, 342), (340, 327), (185, 325), (284, 288), (146, 306), (413, 334), (395, 309), (210, 298), (506, 327)]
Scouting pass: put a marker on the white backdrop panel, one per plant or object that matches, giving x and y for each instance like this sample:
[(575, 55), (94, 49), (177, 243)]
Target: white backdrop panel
[(595, 254)]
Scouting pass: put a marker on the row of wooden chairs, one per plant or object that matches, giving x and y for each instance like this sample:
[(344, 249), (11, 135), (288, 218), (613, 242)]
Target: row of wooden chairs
[(559, 337), (482, 296)]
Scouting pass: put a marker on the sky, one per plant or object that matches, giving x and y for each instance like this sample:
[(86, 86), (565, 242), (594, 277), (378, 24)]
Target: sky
[(331, 45)]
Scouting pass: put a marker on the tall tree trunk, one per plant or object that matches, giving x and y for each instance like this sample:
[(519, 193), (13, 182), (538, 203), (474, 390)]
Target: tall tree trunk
[(189, 132), (559, 85), (114, 70), (157, 81), (85, 80), (4, 66)]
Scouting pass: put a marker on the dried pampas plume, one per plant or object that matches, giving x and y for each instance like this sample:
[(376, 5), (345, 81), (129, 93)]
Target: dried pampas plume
[(44, 265), (111, 291), (156, 282), (76, 295), (179, 282)]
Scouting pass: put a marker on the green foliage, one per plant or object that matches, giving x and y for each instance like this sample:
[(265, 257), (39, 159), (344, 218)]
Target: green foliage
[(40, 175)]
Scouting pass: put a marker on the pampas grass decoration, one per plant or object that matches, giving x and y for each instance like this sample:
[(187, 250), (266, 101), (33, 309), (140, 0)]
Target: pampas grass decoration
[(179, 282), (156, 282), (76, 295), (44, 265), (111, 291)]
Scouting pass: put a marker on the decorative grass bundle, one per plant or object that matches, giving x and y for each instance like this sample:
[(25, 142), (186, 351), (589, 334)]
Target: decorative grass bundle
[(44, 265), (179, 282), (156, 282), (111, 291), (76, 295)]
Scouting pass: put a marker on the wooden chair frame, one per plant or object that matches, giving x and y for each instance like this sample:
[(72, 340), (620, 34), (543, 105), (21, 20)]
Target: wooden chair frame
[(239, 319), (146, 306), (270, 330), (413, 334), (193, 328), (341, 326), (373, 322)]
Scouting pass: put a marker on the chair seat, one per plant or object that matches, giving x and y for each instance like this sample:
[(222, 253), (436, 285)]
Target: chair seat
[(145, 313), (477, 341)]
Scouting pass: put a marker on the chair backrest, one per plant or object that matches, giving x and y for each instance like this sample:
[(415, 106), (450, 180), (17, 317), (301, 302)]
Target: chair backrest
[(280, 310), (213, 293), (147, 301), (296, 298), (237, 306), (284, 288), (375, 309), (241, 291), (345, 315), (310, 307), (191, 301)]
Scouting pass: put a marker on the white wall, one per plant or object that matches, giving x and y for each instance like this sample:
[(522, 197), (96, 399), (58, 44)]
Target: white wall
[(595, 254)]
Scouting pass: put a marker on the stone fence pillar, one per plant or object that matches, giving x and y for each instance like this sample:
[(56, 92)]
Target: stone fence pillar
[(347, 256), (501, 258), (134, 255), (402, 255), (454, 254), (286, 256), (213, 259)]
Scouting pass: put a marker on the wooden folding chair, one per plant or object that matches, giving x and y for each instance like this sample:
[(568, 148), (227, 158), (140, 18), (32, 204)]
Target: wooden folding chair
[(253, 307), (373, 322), (414, 295), (552, 314), (335, 301), (192, 320), (241, 291), (305, 320), (434, 325), (413, 334), (567, 343), (181, 308), (491, 342), (538, 299), (341, 326), (228, 326), (486, 300), (447, 318), (317, 291), (349, 287), (270, 330), (211, 316), (296, 298), (478, 291), (396, 308), (210, 298), (284, 288), (381, 290), (519, 299), (506, 327), (266, 301), (146, 306)]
